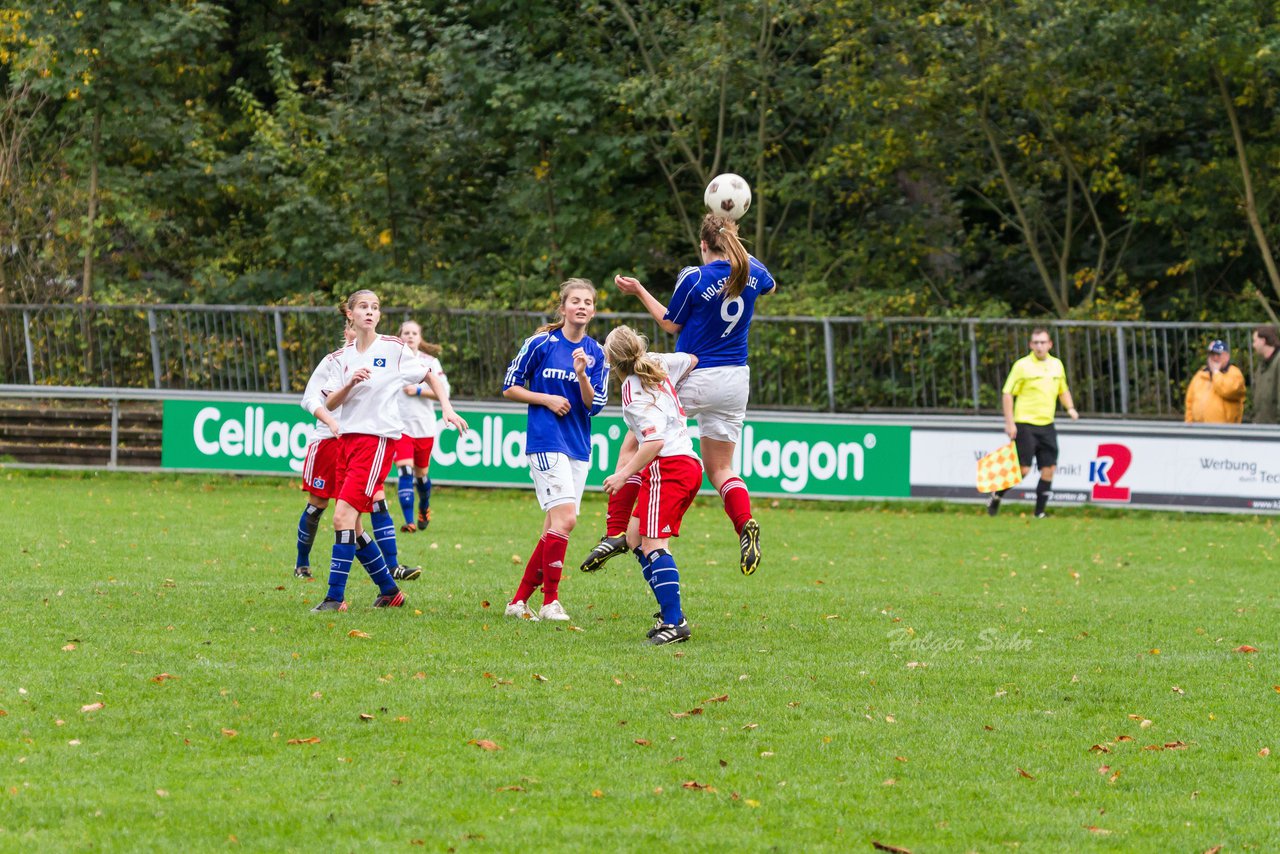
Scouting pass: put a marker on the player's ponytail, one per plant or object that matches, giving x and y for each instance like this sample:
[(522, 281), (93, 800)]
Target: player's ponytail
[(721, 236), (569, 286), (627, 352)]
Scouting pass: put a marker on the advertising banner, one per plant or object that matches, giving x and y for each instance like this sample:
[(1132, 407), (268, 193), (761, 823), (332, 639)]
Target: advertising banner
[(1174, 467), (809, 458)]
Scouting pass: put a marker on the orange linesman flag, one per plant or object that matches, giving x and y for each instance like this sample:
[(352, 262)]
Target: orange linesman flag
[(999, 469)]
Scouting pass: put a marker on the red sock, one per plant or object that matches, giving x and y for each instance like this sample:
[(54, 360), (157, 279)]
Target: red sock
[(737, 502), (553, 564), (621, 503), (532, 573)]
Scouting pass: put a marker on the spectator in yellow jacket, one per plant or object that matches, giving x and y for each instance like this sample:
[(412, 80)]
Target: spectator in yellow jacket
[(1216, 392)]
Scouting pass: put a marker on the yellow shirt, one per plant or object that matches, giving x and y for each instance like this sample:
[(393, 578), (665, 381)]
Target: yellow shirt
[(1035, 385)]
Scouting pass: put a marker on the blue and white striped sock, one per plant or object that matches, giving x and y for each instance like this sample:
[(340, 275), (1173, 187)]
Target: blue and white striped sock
[(404, 489), (344, 551), (384, 531), (308, 524), (664, 578), (370, 556)]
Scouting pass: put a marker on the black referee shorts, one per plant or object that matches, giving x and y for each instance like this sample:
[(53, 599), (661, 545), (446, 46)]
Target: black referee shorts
[(1038, 442)]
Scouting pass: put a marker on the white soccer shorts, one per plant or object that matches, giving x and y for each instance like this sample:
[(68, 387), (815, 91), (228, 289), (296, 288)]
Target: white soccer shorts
[(558, 478), (717, 398)]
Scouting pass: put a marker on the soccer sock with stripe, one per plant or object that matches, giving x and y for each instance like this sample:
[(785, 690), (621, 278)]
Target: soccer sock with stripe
[(344, 551), (664, 578), (384, 531), (553, 565), (532, 577), (1042, 494), (404, 490), (307, 526), (737, 502), (621, 503), (370, 556), (424, 494)]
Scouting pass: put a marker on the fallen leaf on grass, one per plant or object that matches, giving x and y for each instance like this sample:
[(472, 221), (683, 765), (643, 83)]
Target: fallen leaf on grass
[(1103, 769), (356, 633), (643, 742), (1114, 777), (1154, 747), (750, 726), (69, 647), (3, 713), (890, 782), (1264, 752), (1099, 748), (312, 740), (539, 677), (162, 677), (893, 849), (161, 793), (1143, 724), (1099, 830), (697, 710), (511, 788), (1214, 850), (1025, 774), (912, 665), (1178, 690), (1124, 738), (230, 733), (92, 707), (365, 717), (1175, 745), (484, 744), (701, 787), (723, 698), (1245, 648), (484, 603), (596, 793)]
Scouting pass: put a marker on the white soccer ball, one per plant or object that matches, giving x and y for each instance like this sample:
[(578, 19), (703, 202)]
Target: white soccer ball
[(728, 195)]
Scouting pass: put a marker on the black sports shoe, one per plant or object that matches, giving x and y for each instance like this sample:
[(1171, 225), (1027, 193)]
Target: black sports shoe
[(408, 528), (389, 600), (424, 519), (607, 548), (750, 544), (302, 572), (657, 615), (668, 633), (406, 573), (993, 505), (1042, 515), (329, 605)]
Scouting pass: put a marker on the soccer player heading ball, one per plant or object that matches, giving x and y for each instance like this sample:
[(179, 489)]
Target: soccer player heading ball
[(711, 310)]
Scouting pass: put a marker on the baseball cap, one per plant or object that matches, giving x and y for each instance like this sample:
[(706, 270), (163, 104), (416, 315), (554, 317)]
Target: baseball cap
[(1217, 345)]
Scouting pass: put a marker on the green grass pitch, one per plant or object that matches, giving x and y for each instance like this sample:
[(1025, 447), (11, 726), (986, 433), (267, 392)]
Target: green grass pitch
[(914, 675)]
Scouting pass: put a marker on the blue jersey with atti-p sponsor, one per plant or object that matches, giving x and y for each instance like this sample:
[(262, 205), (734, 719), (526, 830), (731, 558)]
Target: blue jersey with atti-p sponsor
[(713, 329), (545, 365)]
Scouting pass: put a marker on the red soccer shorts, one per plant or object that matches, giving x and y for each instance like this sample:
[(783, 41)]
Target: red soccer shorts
[(320, 471), (415, 448), (667, 488), (363, 469)]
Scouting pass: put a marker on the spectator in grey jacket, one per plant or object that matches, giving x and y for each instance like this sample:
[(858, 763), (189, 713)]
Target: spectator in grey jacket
[(1266, 383)]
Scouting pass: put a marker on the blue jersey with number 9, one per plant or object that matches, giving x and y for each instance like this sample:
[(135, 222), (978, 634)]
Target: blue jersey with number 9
[(714, 329)]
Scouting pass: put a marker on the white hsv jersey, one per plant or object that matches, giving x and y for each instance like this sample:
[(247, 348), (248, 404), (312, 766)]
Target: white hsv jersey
[(372, 406), (316, 391), (419, 411), (656, 413)]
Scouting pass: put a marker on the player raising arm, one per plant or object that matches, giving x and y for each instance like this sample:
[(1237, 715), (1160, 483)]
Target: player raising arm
[(711, 310)]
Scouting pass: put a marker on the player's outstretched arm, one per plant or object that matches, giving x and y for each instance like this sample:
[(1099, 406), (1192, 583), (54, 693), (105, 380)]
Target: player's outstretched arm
[(657, 310)]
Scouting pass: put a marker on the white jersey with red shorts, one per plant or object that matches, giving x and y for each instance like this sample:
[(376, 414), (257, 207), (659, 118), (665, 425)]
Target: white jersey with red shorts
[(419, 415), (371, 421), (669, 483), (319, 472)]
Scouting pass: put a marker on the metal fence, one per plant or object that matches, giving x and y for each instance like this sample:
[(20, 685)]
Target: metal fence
[(836, 364)]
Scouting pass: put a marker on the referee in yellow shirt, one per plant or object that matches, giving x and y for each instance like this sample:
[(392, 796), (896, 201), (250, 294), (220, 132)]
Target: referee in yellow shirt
[(1031, 394)]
